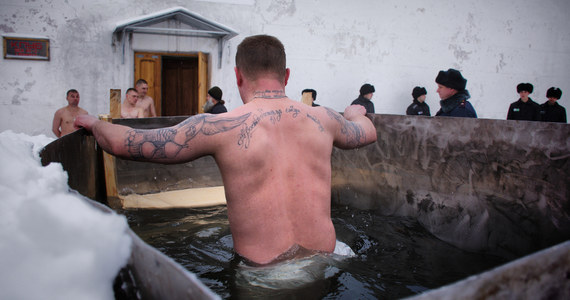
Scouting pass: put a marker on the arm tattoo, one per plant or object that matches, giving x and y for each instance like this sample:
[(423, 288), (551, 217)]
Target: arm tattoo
[(168, 142), (353, 132)]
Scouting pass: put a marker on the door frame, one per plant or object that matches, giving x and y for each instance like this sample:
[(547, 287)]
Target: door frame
[(203, 75)]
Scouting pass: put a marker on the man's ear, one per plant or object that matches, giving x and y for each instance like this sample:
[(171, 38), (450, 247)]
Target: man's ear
[(287, 73), (239, 76)]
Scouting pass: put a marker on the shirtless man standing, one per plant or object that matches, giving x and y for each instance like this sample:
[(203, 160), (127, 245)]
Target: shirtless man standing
[(129, 108), (145, 101), (274, 155), (64, 117)]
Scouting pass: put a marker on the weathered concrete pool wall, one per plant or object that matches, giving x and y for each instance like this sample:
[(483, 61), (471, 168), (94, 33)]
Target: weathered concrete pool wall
[(143, 178), (483, 185)]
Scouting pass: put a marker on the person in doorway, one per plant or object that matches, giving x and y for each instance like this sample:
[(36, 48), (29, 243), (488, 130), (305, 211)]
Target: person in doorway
[(129, 108), (551, 111), (418, 107), (214, 103), (364, 99), (145, 102), (274, 155), (453, 95), (64, 117), (524, 108), (313, 96)]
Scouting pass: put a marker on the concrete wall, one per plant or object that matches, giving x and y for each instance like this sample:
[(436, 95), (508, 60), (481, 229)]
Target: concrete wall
[(333, 46), (493, 186)]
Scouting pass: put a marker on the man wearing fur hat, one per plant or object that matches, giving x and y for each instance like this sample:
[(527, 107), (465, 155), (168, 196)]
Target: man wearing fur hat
[(524, 108), (215, 104), (551, 111), (366, 91), (453, 95), (418, 107)]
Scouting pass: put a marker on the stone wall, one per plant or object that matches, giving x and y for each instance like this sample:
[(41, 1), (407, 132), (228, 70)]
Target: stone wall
[(483, 185)]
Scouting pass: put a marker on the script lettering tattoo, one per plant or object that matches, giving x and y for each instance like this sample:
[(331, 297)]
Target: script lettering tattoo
[(293, 110), (168, 142), (321, 128), (270, 94), (247, 130), (353, 132)]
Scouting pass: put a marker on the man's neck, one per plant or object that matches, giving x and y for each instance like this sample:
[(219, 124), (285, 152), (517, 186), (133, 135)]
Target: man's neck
[(266, 89)]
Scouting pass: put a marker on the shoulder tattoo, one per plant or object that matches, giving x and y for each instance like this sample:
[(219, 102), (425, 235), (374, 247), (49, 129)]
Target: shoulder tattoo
[(352, 132), (168, 142)]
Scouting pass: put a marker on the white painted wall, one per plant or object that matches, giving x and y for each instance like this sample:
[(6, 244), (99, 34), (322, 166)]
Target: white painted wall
[(333, 46)]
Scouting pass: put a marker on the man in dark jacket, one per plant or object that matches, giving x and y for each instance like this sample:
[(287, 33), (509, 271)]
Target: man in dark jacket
[(418, 107), (524, 108), (215, 104), (453, 95), (551, 111), (366, 92)]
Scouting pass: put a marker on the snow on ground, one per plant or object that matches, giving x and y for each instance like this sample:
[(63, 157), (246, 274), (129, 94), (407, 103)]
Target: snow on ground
[(53, 245)]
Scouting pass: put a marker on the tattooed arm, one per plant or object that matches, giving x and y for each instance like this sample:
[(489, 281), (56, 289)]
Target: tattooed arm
[(354, 129), (188, 140)]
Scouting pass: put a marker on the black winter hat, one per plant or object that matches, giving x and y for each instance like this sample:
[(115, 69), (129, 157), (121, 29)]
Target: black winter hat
[(451, 79), (216, 93), (524, 87), (554, 93), (366, 89), (418, 91)]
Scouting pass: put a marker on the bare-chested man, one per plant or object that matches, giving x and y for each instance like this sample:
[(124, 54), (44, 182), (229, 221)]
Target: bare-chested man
[(145, 101), (129, 108), (64, 117), (274, 155)]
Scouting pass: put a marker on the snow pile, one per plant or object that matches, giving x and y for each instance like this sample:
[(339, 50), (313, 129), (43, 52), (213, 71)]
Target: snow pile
[(53, 245)]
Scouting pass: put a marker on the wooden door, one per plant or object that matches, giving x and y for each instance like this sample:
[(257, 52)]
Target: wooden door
[(147, 67), (203, 83), (179, 86)]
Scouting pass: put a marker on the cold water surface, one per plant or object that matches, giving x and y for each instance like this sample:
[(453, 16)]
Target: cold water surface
[(395, 256)]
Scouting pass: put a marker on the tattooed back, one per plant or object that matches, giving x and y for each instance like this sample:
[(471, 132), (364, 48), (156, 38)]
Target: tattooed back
[(277, 175)]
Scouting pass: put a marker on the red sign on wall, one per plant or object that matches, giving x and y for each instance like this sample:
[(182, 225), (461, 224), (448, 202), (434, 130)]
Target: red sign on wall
[(26, 48)]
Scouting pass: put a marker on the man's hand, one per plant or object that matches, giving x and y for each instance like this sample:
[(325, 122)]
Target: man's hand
[(85, 121), (353, 111)]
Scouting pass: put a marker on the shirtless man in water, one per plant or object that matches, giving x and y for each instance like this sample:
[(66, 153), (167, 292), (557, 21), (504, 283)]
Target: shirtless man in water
[(129, 107), (274, 155), (64, 117), (145, 101)]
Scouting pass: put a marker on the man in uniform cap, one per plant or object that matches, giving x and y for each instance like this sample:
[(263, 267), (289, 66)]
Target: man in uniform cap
[(524, 108), (366, 92), (551, 111), (453, 95), (418, 107)]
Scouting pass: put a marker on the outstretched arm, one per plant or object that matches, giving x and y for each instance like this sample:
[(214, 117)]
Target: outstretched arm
[(354, 129), (186, 141)]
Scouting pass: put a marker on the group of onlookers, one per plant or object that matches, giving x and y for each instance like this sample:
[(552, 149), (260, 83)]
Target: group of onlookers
[(453, 95)]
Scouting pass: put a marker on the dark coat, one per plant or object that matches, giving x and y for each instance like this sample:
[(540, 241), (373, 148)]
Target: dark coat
[(457, 106), (418, 108), (520, 110), (552, 112), (366, 103), (218, 108)]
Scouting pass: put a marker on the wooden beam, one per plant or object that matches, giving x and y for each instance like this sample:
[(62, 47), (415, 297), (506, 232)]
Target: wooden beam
[(115, 103)]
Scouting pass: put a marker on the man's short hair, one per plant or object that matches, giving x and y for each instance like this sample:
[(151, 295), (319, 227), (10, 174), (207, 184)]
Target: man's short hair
[(141, 81), (261, 55), (131, 89), (71, 91), (313, 93)]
